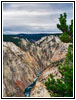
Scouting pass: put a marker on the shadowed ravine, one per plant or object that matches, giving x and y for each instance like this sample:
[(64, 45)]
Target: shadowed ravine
[(28, 89)]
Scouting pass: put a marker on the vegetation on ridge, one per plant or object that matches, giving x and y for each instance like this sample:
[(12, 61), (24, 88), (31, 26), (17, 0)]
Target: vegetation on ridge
[(63, 87)]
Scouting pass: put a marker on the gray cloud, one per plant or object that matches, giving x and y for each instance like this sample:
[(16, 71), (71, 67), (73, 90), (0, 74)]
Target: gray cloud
[(34, 17)]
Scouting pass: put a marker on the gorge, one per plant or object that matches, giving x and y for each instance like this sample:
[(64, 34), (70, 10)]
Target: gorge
[(22, 65)]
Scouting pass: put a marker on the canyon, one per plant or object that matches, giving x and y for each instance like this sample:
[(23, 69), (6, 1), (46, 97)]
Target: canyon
[(22, 63)]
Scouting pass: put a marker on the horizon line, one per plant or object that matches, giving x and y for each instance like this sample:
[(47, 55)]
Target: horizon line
[(12, 33)]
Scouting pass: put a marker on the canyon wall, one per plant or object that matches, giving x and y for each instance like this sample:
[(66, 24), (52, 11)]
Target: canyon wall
[(21, 64)]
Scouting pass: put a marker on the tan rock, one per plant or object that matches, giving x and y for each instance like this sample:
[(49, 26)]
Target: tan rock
[(40, 89), (21, 64)]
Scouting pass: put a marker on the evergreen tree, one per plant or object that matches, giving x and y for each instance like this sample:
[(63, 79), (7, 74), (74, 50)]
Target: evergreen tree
[(67, 30), (63, 87)]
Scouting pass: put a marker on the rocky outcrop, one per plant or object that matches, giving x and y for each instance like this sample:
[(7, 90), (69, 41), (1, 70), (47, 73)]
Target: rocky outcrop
[(19, 69), (52, 47), (21, 64), (48, 49), (39, 90)]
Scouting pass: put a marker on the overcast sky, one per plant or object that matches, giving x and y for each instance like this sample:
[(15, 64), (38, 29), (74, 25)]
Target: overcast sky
[(34, 17)]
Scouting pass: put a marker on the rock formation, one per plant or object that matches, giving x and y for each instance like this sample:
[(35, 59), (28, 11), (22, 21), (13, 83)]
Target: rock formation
[(39, 90), (19, 69), (21, 64)]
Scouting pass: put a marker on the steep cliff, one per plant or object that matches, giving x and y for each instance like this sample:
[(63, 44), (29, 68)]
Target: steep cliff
[(19, 69), (39, 90), (21, 64)]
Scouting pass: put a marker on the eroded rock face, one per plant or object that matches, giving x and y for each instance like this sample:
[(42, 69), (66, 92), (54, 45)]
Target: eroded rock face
[(53, 49), (48, 49), (19, 69), (39, 90), (21, 64)]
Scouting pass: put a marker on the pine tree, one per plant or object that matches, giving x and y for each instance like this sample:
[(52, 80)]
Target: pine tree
[(67, 30), (63, 87)]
